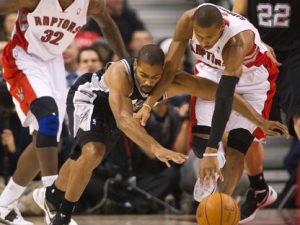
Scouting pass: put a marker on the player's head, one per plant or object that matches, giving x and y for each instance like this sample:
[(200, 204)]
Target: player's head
[(208, 24), (148, 66)]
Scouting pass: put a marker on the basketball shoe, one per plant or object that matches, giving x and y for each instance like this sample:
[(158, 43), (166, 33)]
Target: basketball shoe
[(60, 219), (254, 201), (39, 196), (11, 215), (201, 192)]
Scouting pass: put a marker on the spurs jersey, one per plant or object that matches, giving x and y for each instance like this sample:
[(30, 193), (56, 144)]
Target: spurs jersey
[(235, 24), (90, 86), (277, 22), (48, 30)]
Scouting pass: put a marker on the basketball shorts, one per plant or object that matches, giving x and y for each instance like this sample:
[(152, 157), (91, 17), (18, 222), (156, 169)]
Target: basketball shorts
[(288, 86), (29, 78), (254, 85), (90, 117)]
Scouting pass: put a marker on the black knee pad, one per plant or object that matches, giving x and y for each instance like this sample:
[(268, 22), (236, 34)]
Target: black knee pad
[(46, 112), (199, 144), (240, 140)]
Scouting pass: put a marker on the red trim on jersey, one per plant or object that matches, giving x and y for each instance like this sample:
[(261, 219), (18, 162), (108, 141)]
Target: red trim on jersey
[(273, 73), (18, 38), (193, 120), (19, 84), (227, 23)]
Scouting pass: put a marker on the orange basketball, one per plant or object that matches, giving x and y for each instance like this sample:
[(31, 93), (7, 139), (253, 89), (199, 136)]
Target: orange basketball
[(218, 209)]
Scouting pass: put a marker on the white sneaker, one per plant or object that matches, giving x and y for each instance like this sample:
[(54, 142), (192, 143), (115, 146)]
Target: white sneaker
[(12, 216), (39, 196), (202, 192)]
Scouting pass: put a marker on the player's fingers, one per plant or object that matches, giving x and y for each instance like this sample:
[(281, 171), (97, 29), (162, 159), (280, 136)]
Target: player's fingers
[(220, 175), (208, 174), (273, 133), (167, 163), (201, 178), (214, 179), (282, 128), (144, 120)]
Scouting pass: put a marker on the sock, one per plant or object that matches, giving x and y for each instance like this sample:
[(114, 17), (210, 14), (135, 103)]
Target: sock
[(49, 180), (66, 209), (11, 192), (54, 195), (258, 182)]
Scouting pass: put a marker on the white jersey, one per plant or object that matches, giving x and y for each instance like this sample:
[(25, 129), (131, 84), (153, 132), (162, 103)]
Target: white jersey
[(234, 24), (48, 30)]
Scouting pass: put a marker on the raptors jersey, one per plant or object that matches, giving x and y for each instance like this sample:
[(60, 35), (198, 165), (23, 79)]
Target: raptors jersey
[(234, 24), (277, 22), (48, 30)]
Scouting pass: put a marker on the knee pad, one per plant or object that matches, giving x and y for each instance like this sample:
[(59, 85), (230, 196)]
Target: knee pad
[(198, 145), (46, 112), (240, 140)]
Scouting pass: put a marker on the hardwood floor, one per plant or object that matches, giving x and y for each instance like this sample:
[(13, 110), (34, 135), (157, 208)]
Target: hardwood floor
[(264, 217)]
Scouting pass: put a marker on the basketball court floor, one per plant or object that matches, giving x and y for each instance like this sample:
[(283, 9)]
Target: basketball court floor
[(264, 217)]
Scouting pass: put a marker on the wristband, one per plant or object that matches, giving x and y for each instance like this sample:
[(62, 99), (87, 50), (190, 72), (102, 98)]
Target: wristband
[(144, 104), (210, 154)]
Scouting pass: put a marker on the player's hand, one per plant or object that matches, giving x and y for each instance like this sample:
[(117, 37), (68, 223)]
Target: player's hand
[(272, 55), (274, 128), (166, 155), (143, 115), (209, 167)]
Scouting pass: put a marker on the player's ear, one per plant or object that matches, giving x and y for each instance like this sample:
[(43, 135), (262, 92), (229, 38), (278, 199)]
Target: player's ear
[(135, 63)]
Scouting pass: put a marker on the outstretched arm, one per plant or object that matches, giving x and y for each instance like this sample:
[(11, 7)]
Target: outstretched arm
[(120, 87), (183, 32), (97, 10)]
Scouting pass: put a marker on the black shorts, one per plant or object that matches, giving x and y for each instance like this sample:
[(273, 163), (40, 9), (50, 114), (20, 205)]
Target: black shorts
[(288, 83), (91, 121)]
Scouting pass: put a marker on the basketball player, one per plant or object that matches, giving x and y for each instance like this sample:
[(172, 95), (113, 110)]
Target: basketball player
[(229, 52), (100, 106), (34, 70), (128, 83), (277, 23)]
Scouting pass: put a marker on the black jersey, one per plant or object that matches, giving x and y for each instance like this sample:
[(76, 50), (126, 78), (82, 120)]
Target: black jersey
[(277, 22), (89, 86)]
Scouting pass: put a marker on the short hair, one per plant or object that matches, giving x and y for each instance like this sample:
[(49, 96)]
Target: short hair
[(151, 54), (207, 15), (89, 48)]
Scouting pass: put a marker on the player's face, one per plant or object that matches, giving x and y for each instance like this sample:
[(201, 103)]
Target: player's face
[(209, 36), (147, 76)]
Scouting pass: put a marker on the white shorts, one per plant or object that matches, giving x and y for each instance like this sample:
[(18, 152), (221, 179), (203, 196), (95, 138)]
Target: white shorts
[(29, 78), (254, 86)]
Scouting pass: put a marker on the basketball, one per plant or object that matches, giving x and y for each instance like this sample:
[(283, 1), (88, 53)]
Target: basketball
[(219, 209)]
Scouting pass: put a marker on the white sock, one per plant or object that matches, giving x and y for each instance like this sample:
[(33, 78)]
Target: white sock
[(49, 180), (11, 192)]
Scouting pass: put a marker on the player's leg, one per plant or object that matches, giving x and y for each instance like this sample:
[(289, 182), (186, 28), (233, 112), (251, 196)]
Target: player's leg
[(27, 84), (260, 194), (239, 140)]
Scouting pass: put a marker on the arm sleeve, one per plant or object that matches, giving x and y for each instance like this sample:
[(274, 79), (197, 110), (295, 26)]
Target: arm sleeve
[(223, 107)]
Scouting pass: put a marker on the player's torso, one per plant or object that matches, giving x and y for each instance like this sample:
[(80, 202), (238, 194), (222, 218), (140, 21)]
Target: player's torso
[(277, 22), (234, 24), (48, 30)]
